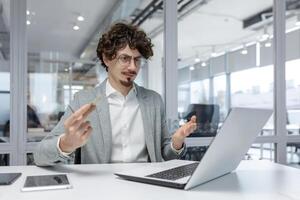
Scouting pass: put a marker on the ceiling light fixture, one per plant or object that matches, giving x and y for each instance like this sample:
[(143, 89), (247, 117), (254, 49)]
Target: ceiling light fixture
[(266, 34), (268, 43), (27, 12), (298, 20), (203, 64), (192, 68), (213, 52), (28, 22), (244, 51), (75, 27), (197, 59), (80, 18)]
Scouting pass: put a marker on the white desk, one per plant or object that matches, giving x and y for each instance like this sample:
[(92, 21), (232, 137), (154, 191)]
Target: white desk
[(254, 180)]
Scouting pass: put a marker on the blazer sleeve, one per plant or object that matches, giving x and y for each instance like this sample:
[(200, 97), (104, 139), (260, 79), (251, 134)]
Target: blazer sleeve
[(166, 137), (46, 153)]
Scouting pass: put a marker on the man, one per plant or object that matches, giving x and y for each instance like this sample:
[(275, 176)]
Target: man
[(126, 123)]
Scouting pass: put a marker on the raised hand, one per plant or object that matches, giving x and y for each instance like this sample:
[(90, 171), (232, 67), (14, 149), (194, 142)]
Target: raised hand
[(77, 129), (184, 131)]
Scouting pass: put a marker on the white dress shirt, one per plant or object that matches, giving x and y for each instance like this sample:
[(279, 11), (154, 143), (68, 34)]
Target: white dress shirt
[(128, 138)]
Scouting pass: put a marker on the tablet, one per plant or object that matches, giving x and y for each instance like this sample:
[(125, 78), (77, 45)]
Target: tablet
[(46, 182), (8, 178)]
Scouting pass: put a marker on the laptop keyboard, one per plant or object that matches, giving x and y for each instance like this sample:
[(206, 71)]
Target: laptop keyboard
[(176, 173)]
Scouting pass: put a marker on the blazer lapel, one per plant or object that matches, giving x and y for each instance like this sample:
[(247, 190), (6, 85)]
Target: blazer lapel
[(102, 109), (147, 117)]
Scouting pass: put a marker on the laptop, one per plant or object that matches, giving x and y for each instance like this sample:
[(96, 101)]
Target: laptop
[(224, 154)]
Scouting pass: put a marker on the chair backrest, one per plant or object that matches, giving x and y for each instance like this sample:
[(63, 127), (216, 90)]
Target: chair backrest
[(208, 117)]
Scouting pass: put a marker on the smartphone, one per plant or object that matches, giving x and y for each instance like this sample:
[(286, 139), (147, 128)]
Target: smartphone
[(46, 182), (8, 178)]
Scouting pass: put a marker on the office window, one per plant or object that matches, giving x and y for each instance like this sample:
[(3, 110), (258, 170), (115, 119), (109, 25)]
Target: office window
[(292, 71), (4, 159), (183, 98), (200, 91), (4, 106), (293, 96), (293, 154), (254, 88), (213, 40), (5, 72), (263, 151), (220, 94)]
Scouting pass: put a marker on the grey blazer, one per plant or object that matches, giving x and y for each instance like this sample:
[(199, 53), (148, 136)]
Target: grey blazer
[(98, 148)]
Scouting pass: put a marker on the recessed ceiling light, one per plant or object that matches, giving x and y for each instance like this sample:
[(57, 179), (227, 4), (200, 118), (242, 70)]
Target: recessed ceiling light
[(192, 68), (80, 18), (203, 64), (213, 54), (28, 22), (27, 12), (298, 20), (268, 44), (75, 27), (244, 51)]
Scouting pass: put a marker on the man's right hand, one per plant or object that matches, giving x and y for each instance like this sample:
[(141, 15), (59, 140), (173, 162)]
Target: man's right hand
[(77, 129)]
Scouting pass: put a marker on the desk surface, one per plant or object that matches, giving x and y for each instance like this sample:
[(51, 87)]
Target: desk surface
[(252, 180)]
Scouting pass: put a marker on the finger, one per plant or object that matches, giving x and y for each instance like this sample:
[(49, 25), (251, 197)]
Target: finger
[(82, 128), (83, 117), (91, 109), (81, 114), (76, 125), (77, 114), (86, 134), (193, 119), (190, 129)]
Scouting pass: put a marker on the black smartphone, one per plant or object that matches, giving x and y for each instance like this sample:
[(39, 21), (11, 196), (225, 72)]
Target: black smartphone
[(8, 178)]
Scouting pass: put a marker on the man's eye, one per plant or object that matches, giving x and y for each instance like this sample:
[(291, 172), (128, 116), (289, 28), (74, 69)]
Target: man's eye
[(125, 58), (137, 60)]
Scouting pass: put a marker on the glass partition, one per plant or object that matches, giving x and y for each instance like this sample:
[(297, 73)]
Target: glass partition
[(5, 72)]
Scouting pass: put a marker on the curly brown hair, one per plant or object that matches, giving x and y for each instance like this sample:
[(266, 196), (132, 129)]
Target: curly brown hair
[(118, 37)]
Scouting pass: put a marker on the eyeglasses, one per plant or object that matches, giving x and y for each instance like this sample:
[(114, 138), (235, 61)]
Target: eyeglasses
[(126, 60)]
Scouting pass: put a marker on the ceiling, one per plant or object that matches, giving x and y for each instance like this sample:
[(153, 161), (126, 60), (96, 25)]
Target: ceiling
[(51, 26), (215, 23)]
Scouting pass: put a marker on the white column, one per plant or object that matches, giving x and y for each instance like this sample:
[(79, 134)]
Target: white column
[(18, 80), (170, 62), (279, 80)]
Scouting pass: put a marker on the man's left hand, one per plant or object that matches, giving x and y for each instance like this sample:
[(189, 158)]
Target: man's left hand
[(184, 131)]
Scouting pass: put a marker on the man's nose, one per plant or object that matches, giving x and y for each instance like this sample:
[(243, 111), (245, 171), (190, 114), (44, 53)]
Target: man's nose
[(132, 65)]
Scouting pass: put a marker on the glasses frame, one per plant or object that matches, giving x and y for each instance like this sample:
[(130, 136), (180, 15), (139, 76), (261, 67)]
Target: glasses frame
[(138, 61)]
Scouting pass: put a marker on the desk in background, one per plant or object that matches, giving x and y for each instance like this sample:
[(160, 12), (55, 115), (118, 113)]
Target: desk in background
[(253, 180)]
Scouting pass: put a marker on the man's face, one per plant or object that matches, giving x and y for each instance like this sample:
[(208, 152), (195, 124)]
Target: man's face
[(125, 67)]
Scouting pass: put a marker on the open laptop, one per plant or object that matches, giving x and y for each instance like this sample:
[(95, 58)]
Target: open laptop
[(224, 154)]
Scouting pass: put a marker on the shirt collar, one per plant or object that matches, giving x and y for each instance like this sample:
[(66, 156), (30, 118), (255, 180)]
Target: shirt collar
[(110, 90)]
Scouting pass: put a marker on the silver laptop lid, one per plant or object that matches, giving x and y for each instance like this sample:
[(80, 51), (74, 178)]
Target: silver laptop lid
[(230, 145)]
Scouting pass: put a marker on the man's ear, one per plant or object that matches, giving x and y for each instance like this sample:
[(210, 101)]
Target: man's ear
[(105, 60)]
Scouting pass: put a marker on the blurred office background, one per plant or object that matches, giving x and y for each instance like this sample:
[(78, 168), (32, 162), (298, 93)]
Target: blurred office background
[(225, 58)]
